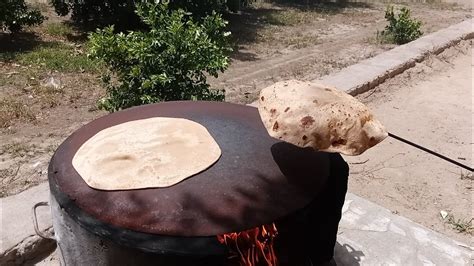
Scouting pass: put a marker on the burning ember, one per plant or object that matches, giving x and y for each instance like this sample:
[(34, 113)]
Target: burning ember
[(252, 247)]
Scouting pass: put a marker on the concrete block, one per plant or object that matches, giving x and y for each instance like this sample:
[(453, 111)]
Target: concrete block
[(369, 73), (372, 235), (19, 241)]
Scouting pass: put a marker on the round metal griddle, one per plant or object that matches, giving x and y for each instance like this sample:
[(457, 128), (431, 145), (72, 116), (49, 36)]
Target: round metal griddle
[(257, 180)]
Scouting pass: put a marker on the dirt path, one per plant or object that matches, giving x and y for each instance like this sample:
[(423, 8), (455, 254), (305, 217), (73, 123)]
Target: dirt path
[(332, 41), (431, 105)]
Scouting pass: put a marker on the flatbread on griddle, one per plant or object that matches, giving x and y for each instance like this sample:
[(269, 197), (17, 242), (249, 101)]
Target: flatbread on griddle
[(314, 115), (153, 152)]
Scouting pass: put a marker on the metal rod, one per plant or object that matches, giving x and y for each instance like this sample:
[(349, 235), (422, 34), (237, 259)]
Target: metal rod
[(431, 152)]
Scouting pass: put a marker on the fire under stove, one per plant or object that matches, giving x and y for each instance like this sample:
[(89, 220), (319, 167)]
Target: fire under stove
[(258, 180)]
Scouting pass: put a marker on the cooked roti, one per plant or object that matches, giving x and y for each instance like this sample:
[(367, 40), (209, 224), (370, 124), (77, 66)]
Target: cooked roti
[(314, 115), (147, 153)]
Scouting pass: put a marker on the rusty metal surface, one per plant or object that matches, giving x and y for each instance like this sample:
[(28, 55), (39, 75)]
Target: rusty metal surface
[(256, 181)]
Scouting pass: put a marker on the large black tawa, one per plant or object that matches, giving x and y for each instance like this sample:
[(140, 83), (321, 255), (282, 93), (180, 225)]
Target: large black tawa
[(256, 181)]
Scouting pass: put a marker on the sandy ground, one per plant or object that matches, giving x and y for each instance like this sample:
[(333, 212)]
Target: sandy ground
[(324, 44), (431, 105)]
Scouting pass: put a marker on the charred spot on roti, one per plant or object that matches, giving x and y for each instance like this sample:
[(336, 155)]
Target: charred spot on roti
[(304, 137), (373, 141), (307, 121), (287, 108), (338, 142), (321, 141), (326, 89), (262, 98), (275, 126), (315, 101), (122, 157), (273, 111)]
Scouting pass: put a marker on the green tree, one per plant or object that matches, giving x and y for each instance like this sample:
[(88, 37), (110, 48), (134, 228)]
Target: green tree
[(121, 12), (167, 62), (98, 13), (14, 15)]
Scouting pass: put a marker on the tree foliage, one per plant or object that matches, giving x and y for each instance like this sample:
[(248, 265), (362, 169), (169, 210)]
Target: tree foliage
[(167, 62), (14, 15), (121, 12)]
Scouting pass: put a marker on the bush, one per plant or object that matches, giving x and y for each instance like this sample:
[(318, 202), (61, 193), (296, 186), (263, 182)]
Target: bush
[(401, 29), (166, 63), (14, 15)]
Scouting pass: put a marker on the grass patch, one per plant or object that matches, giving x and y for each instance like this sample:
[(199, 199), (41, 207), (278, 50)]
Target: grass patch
[(6, 176), (11, 109), (52, 148), (467, 176), (59, 30), (461, 225), (297, 40), (7, 56), (290, 17), (60, 57), (383, 38), (55, 56), (42, 90), (49, 96), (18, 149), (301, 41), (3, 80)]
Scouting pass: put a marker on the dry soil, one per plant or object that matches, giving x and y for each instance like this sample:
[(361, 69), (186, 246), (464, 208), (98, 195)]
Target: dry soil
[(431, 105)]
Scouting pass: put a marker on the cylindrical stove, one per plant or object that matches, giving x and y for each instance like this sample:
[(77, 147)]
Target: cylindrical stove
[(258, 180)]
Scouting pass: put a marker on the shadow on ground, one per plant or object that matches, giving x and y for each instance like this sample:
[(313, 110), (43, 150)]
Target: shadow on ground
[(10, 44), (334, 6), (346, 255)]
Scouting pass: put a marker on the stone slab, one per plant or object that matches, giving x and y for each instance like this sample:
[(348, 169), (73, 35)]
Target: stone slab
[(19, 241), (372, 235), (369, 73)]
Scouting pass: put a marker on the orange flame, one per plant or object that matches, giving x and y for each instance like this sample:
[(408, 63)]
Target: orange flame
[(252, 247)]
